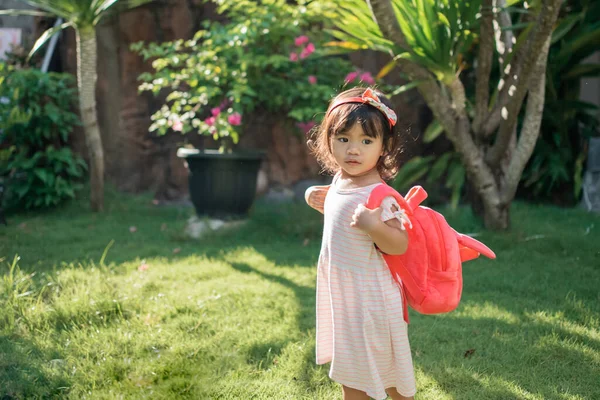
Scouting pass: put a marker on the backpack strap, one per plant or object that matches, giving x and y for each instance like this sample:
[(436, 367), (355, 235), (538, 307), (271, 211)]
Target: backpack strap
[(382, 191), (415, 196), (403, 277)]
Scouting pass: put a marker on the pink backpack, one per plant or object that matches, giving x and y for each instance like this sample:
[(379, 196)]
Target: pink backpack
[(430, 272)]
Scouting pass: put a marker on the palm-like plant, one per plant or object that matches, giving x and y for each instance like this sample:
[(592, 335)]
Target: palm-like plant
[(83, 16), (428, 40), (557, 163)]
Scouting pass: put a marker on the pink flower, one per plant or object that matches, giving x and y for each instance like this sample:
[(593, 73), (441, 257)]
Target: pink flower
[(306, 126), (300, 40), (367, 78), (235, 119), (307, 51), (215, 111), (177, 126), (293, 57), (351, 76), (312, 79), (210, 121)]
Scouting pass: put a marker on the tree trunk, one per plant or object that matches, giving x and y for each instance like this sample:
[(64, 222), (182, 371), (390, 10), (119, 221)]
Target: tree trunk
[(496, 216), (86, 81)]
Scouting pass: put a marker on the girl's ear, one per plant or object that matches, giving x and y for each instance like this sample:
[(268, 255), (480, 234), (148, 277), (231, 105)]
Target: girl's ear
[(385, 147)]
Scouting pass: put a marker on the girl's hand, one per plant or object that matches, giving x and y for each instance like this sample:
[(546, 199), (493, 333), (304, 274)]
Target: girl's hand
[(315, 197), (366, 219)]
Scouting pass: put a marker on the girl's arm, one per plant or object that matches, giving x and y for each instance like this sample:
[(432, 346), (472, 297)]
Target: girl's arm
[(389, 236), (315, 197)]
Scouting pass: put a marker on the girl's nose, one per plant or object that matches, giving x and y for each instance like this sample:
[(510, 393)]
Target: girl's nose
[(352, 149)]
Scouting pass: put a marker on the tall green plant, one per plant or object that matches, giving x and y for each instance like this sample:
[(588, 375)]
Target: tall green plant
[(436, 34), (554, 171), (83, 16), (429, 39), (556, 167)]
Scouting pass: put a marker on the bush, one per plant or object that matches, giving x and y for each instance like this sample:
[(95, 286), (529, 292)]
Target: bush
[(270, 56), (555, 171), (35, 122)]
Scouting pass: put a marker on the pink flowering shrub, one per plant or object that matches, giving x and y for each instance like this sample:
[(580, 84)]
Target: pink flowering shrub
[(269, 56)]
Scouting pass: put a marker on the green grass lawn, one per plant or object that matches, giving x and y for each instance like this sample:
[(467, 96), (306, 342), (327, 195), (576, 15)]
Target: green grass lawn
[(123, 305)]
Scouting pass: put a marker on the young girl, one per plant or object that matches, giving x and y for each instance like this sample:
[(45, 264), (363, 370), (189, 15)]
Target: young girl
[(360, 324)]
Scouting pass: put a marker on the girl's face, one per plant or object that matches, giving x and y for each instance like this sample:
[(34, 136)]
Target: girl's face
[(356, 153)]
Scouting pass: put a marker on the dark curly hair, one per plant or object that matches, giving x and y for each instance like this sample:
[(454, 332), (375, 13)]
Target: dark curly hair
[(374, 124)]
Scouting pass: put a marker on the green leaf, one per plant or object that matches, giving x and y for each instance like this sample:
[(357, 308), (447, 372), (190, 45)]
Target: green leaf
[(456, 181), (456, 175), (433, 130), (578, 49), (45, 36), (42, 174), (511, 3), (439, 166), (33, 13), (410, 172), (582, 71), (405, 88), (565, 25), (21, 191)]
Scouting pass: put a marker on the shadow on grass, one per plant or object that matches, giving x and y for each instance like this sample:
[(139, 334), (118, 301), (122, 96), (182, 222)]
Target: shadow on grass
[(486, 358), (305, 296), (263, 354), (22, 375)]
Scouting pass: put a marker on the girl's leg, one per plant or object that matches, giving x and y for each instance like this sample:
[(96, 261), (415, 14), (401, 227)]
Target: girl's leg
[(393, 393), (353, 394)]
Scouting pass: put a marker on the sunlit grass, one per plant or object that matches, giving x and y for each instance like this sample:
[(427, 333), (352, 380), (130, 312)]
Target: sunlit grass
[(232, 316)]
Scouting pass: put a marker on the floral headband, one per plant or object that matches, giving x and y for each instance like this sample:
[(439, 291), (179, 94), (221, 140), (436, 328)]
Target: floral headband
[(368, 97)]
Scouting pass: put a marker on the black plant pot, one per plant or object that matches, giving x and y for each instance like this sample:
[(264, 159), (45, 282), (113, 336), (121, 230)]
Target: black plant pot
[(222, 185)]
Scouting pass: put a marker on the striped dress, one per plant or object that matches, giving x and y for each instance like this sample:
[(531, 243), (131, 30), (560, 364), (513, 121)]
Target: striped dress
[(360, 325)]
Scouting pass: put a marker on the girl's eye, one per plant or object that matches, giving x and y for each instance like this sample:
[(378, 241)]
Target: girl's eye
[(367, 141), (343, 139)]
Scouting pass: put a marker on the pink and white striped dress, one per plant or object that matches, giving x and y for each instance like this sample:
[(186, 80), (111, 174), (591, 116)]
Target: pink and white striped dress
[(360, 325)]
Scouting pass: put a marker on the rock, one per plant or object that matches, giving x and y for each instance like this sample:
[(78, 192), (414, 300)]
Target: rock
[(279, 194), (591, 179), (199, 227), (262, 182)]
